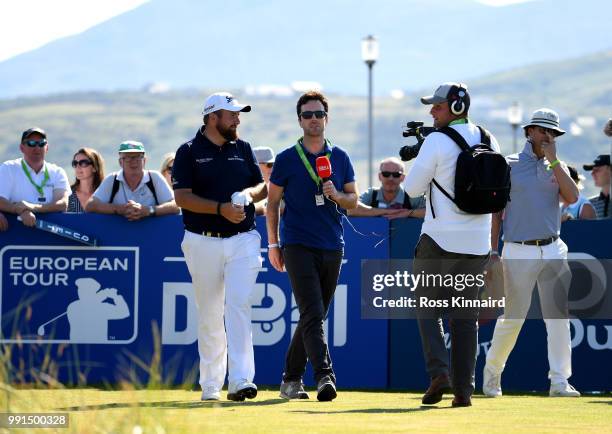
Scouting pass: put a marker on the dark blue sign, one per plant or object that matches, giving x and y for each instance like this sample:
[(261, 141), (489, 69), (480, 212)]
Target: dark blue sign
[(125, 310), (101, 312)]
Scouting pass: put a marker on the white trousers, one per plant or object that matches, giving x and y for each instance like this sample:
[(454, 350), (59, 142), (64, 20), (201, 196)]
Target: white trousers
[(223, 272), (523, 267)]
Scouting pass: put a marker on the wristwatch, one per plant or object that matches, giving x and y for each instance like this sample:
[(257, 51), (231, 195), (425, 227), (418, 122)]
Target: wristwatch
[(151, 211)]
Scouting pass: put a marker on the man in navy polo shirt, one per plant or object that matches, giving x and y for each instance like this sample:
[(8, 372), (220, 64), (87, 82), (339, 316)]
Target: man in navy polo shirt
[(311, 242), (216, 179)]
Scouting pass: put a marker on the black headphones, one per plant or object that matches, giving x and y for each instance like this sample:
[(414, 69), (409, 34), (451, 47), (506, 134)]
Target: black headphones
[(458, 99)]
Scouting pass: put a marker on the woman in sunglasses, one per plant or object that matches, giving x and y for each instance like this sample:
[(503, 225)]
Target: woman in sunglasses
[(88, 167), (166, 167)]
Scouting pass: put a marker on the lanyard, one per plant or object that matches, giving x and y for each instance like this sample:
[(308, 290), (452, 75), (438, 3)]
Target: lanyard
[(311, 172), (39, 188), (458, 122)]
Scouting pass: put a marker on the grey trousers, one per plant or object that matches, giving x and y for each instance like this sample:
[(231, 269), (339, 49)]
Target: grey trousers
[(431, 259), (314, 276)]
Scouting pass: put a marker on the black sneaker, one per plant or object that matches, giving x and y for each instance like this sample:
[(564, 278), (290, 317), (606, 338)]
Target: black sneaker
[(241, 390), (326, 389)]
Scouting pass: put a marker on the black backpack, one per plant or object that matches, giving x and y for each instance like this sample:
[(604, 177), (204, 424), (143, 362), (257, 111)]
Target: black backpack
[(482, 177), (116, 185)]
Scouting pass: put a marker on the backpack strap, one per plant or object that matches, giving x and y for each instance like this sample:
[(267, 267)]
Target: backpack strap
[(374, 201), (429, 199), (454, 135), (406, 204), (115, 189), (151, 186), (116, 185), (433, 181), (485, 137)]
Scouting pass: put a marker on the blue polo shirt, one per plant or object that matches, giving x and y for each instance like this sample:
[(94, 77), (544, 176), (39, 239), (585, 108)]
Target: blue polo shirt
[(303, 222), (215, 172)]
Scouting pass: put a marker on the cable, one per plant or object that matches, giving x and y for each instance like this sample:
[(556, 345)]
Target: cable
[(372, 234)]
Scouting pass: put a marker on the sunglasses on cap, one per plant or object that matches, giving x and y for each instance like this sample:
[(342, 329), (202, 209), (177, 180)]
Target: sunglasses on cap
[(393, 174), (319, 114), (35, 143), (82, 163)]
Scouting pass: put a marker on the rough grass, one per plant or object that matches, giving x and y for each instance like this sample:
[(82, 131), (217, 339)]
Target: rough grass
[(178, 411)]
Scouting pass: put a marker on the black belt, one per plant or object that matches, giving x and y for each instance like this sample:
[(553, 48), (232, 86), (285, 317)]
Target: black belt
[(543, 242), (217, 234)]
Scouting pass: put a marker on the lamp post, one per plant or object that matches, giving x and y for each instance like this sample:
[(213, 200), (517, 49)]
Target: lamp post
[(515, 117), (369, 54)]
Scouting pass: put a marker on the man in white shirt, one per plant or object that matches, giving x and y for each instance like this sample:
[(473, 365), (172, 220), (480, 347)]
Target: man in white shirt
[(133, 192), (30, 185), (448, 235)]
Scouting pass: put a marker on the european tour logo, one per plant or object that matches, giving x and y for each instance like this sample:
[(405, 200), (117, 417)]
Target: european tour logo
[(62, 294)]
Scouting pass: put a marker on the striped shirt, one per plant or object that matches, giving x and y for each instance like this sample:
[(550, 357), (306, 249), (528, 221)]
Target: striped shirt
[(601, 204), (73, 203)]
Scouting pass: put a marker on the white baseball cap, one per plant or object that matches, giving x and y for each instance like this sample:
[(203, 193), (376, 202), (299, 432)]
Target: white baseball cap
[(223, 101)]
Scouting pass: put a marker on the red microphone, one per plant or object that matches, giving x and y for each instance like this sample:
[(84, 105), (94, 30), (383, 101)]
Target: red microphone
[(324, 169)]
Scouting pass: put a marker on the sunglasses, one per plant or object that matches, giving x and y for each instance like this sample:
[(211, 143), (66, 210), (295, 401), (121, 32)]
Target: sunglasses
[(133, 157), (393, 174), (268, 165), (35, 143), (548, 131), (82, 163), (319, 114)]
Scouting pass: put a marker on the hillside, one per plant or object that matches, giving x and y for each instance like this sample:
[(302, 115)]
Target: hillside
[(576, 87), (571, 85)]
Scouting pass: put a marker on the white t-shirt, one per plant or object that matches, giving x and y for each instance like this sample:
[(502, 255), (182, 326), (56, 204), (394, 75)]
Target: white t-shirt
[(142, 194), (15, 185), (454, 230)]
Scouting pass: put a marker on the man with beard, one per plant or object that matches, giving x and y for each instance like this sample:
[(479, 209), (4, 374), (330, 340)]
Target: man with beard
[(216, 179), (311, 242)]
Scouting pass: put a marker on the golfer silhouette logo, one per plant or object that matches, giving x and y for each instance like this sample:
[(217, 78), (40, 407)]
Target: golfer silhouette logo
[(89, 315)]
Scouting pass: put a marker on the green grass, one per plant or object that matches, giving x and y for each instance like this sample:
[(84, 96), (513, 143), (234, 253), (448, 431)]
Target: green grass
[(178, 411)]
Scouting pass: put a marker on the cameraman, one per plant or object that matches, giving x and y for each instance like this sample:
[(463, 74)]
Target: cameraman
[(452, 235)]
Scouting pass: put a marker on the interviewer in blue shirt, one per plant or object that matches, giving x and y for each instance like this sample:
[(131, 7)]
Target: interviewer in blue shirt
[(311, 241)]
